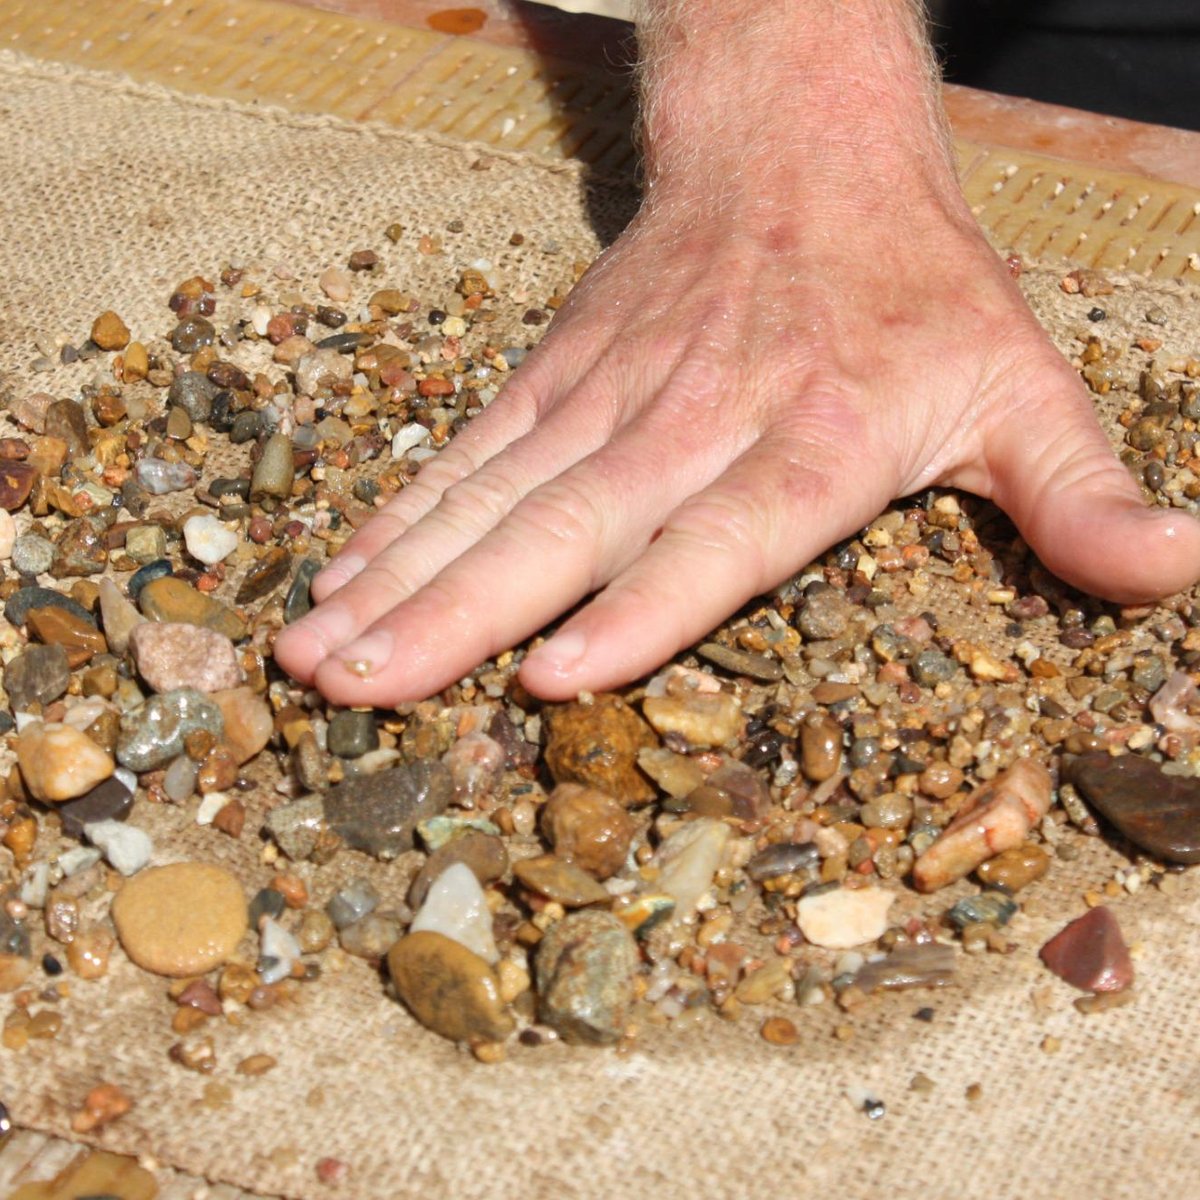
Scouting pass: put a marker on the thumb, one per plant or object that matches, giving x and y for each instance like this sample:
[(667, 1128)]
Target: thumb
[(1053, 471)]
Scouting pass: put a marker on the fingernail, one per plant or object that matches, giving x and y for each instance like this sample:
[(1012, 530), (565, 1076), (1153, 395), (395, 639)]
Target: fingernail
[(369, 655), (562, 653), (343, 568)]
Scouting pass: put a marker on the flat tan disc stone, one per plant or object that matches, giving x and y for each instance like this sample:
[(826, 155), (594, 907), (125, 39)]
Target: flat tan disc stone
[(182, 919)]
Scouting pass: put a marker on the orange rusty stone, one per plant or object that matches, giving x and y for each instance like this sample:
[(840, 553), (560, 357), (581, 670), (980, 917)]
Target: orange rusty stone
[(457, 21)]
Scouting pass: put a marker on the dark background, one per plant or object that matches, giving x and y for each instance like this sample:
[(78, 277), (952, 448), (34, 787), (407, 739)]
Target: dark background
[(1131, 59)]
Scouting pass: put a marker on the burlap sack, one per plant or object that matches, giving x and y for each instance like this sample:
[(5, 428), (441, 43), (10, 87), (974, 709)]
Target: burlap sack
[(112, 193)]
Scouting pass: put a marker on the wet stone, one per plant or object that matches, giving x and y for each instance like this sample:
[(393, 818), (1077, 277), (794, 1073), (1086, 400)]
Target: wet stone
[(118, 616), (784, 858), (352, 903), (59, 762), (587, 827), (597, 745), (988, 908), (455, 906), (265, 576), (586, 975), (378, 813), (677, 774), (126, 848), (16, 482), (148, 574), (32, 555), (1090, 953), (298, 827), (274, 472), (483, 853), (820, 747), (65, 419), (688, 860), (153, 733), (732, 790), (267, 902), (352, 734), (299, 596), (80, 550), (109, 332), (825, 615), (706, 719), (38, 675), (193, 392), (931, 667), (561, 881), (145, 543), (741, 662), (208, 539), (55, 626), (247, 722), (246, 426), (192, 334), (171, 656), (19, 604), (107, 801), (173, 601), (927, 965), (1016, 868), (1157, 812), (373, 936), (182, 919), (448, 989), (844, 917)]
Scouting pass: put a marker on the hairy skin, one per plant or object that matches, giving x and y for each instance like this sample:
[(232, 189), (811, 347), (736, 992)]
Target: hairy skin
[(802, 323)]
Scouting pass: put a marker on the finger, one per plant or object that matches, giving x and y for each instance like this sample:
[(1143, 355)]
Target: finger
[(772, 512), (553, 368), (1053, 471), (469, 509), (555, 547)]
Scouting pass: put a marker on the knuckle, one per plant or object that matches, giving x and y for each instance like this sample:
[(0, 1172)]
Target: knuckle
[(730, 523), (480, 499), (562, 510)]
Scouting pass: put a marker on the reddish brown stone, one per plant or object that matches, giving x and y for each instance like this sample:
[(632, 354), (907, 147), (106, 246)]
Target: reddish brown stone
[(16, 482), (231, 819), (1090, 953)]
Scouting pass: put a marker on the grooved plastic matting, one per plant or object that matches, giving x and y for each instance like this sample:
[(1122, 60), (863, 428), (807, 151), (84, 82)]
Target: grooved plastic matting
[(306, 60)]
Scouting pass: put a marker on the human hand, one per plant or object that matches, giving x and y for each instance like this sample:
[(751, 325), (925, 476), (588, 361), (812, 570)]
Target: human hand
[(761, 363)]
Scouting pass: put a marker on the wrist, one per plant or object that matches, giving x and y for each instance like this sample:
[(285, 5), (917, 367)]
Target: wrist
[(821, 86)]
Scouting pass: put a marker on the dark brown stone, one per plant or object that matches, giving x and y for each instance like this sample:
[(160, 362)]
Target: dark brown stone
[(107, 801), (1158, 812), (1090, 953), (265, 576)]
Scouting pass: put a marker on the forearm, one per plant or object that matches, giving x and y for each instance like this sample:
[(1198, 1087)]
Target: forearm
[(794, 83)]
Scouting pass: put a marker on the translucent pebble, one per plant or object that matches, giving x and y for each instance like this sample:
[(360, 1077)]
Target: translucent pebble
[(159, 478), (208, 540), (407, 438), (179, 780), (278, 951)]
